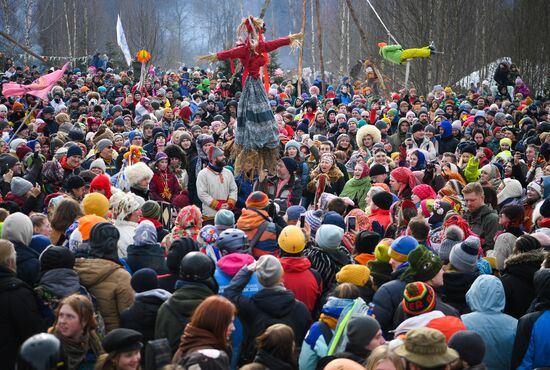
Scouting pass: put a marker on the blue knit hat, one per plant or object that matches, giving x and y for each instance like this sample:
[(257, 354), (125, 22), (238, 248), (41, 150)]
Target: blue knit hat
[(329, 237), (224, 219), (333, 218), (292, 144), (313, 218), (144, 279), (401, 247), (303, 126)]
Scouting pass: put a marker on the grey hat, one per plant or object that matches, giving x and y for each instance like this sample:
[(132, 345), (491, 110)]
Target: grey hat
[(269, 270), (381, 125), (98, 163), (361, 330), (20, 186), (329, 237), (102, 144), (224, 219), (464, 256)]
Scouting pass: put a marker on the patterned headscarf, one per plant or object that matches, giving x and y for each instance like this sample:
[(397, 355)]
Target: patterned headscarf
[(188, 223), (207, 240)]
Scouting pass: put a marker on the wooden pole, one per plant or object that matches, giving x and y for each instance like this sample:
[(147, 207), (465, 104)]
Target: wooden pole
[(301, 55), (362, 32), (25, 119), (26, 49), (320, 42)]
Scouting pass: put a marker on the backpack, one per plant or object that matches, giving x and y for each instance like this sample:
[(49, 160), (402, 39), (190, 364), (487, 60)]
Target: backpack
[(340, 337)]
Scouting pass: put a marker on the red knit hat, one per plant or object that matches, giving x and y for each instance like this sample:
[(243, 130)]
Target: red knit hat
[(448, 325), (101, 182), (257, 199), (424, 191)]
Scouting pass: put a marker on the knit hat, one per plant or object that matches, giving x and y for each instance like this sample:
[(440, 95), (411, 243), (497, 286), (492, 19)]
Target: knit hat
[(213, 153), (151, 209), (463, 256), (418, 298), (334, 218), (179, 249), (96, 204), (536, 187), (427, 348), (102, 144), (448, 325), (505, 141), (377, 169), (74, 150), (512, 189), (366, 241), (86, 223), (55, 257), (313, 218), (99, 163), (22, 151), (453, 236), (401, 248), (292, 144), (143, 280), (19, 186), (258, 200), (382, 200), (123, 204), (417, 127), (381, 252), (269, 270), (293, 212), (361, 330), (469, 345), (40, 242), (440, 209), (103, 241), (355, 274), (423, 265), (303, 126), (224, 219), (329, 237), (290, 164)]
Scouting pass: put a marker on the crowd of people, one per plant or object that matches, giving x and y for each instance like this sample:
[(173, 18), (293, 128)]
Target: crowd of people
[(401, 232)]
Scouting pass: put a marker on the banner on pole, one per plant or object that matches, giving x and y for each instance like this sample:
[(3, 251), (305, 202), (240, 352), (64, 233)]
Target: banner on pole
[(121, 40)]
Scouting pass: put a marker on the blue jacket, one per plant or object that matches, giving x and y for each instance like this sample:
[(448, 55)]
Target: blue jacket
[(532, 345), (387, 298), (486, 299), (223, 277)]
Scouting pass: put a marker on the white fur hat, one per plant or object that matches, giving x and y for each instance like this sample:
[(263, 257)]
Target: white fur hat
[(137, 172)]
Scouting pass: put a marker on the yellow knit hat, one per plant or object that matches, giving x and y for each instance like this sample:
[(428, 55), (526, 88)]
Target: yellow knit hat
[(96, 204), (355, 274)]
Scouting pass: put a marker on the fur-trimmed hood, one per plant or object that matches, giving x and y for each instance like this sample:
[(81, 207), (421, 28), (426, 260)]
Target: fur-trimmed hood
[(368, 130), (528, 258), (137, 172)]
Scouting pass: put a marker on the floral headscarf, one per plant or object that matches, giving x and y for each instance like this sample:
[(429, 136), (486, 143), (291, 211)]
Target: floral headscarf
[(188, 223), (207, 240), (361, 224)]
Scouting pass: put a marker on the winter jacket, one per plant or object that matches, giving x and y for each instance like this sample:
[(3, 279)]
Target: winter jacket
[(142, 314), (272, 362), (328, 263), (226, 268), (532, 344), (382, 216), (517, 278), (19, 316), (213, 187), (249, 222), (269, 306), (484, 222), (28, 265), (290, 193), (245, 187), (455, 286), (147, 255), (110, 284), (486, 300), (425, 145), (127, 229), (386, 300), (302, 280), (55, 285), (176, 312)]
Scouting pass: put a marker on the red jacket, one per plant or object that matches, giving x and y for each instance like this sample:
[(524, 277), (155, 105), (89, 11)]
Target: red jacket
[(302, 280), (382, 216)]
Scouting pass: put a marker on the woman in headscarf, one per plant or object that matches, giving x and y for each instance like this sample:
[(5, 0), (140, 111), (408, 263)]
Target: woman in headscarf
[(417, 160), (402, 181), (358, 186), (334, 179), (188, 223)]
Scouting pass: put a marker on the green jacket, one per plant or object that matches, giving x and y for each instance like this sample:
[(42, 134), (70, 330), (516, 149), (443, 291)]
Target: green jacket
[(176, 312), (472, 170), (484, 222), (392, 53)]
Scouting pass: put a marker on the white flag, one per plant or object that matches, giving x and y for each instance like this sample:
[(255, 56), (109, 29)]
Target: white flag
[(121, 40)]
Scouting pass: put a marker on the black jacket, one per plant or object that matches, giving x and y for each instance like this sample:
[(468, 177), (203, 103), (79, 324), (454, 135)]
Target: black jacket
[(19, 316), (455, 286), (275, 305), (272, 362), (517, 279), (28, 265), (142, 315)]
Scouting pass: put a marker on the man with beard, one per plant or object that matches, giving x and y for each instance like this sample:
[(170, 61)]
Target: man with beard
[(216, 187)]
